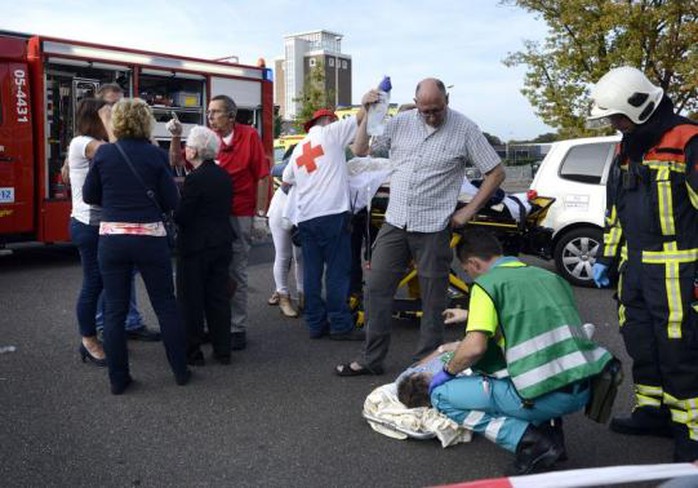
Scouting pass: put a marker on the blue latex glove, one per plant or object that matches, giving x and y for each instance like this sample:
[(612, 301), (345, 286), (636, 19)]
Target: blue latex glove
[(600, 272), (439, 379)]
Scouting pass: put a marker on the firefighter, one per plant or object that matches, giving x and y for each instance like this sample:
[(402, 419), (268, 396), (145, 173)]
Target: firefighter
[(652, 232)]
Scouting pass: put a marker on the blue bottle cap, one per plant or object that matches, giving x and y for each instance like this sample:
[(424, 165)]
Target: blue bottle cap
[(385, 85)]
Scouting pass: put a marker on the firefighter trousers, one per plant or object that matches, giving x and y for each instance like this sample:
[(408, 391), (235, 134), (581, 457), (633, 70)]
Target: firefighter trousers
[(658, 317)]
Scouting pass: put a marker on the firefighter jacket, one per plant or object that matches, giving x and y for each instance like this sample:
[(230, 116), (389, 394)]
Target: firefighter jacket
[(652, 198)]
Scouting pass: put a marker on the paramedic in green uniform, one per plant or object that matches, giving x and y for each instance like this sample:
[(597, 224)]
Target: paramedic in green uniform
[(531, 315)]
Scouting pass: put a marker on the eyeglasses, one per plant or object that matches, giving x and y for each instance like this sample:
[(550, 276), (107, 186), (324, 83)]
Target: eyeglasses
[(215, 111), (433, 112)]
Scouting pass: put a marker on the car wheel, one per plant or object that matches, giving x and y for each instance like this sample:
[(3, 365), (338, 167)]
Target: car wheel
[(575, 254)]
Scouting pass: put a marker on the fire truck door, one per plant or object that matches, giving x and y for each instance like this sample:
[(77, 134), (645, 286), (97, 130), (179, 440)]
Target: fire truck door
[(16, 151)]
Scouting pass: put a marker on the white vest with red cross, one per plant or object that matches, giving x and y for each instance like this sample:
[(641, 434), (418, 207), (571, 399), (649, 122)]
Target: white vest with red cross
[(318, 169)]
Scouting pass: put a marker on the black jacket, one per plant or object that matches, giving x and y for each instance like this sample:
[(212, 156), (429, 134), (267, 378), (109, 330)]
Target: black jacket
[(203, 214)]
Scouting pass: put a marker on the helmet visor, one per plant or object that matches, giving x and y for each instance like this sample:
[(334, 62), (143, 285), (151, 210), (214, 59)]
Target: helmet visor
[(597, 124)]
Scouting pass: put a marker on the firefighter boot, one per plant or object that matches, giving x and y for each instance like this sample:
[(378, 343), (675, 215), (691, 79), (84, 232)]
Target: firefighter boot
[(644, 421), (685, 448), (537, 451)]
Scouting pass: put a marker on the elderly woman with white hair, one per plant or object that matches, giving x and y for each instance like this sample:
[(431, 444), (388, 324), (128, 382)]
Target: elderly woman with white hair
[(204, 243)]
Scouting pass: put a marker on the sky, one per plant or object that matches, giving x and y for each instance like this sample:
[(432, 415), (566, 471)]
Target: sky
[(461, 42)]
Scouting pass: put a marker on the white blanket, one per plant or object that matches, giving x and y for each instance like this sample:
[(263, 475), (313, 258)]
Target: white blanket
[(388, 416)]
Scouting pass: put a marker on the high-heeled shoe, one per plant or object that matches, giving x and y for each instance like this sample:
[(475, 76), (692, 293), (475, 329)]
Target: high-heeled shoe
[(87, 357)]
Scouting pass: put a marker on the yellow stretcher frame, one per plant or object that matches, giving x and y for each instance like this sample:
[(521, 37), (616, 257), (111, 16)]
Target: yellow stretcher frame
[(458, 288)]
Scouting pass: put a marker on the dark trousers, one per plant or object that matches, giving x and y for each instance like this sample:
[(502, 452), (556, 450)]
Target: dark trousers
[(86, 238), (326, 246), (202, 290), (118, 254), (394, 249), (659, 324)]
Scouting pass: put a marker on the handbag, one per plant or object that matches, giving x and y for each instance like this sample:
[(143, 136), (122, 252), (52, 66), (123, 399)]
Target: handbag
[(167, 218)]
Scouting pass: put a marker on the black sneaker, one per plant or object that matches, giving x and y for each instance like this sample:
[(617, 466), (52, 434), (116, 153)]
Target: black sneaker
[(143, 334), (536, 452)]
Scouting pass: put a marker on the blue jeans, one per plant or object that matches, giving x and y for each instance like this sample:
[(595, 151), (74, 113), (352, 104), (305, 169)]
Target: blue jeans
[(86, 238), (492, 407), (118, 254), (326, 246), (134, 320)]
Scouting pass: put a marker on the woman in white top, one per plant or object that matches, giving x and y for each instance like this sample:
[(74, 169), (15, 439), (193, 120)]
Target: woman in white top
[(92, 122), (284, 253)]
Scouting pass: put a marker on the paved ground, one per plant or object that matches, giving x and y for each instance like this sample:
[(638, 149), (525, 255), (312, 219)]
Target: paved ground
[(276, 417)]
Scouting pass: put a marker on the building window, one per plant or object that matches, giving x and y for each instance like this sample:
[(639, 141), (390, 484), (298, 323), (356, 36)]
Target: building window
[(312, 62), (330, 62), (344, 64)]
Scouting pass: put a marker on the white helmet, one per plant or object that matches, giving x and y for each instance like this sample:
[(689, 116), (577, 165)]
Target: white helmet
[(626, 91)]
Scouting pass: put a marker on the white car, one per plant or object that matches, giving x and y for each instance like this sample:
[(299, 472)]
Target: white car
[(575, 172)]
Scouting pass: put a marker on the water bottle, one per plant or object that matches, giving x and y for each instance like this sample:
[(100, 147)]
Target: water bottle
[(378, 112)]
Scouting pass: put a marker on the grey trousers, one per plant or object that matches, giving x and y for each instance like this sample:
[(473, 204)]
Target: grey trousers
[(393, 251), (238, 270)]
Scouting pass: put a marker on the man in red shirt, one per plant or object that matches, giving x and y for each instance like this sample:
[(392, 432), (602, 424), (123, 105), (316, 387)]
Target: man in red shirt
[(241, 154)]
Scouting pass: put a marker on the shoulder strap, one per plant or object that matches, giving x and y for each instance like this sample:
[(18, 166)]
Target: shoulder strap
[(150, 193)]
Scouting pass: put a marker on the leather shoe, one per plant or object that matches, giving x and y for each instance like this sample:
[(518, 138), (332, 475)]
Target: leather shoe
[(554, 429), (183, 378), (644, 421), (120, 387), (143, 334), (238, 340), (196, 358), (536, 452), (352, 335)]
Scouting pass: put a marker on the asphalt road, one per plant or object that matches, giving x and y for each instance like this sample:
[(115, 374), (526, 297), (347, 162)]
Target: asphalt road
[(277, 416)]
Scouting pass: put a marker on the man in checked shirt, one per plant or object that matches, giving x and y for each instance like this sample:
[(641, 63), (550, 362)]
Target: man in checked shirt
[(430, 147)]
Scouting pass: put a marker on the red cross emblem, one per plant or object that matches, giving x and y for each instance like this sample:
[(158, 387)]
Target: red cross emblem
[(308, 157)]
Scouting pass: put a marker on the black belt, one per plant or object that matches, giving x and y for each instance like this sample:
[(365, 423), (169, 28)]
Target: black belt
[(576, 387)]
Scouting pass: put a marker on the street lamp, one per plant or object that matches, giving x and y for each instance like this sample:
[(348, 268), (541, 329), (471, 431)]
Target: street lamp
[(336, 72)]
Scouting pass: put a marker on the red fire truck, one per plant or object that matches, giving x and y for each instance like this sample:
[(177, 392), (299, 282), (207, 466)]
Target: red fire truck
[(41, 81)]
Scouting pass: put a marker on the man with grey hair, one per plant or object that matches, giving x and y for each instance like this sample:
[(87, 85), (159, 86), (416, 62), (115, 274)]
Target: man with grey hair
[(430, 147), (204, 244)]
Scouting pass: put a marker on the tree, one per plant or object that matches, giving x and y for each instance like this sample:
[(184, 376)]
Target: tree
[(589, 37), (313, 96), (547, 137), (493, 140)]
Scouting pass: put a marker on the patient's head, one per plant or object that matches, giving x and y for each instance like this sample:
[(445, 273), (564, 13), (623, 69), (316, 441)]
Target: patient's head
[(413, 390)]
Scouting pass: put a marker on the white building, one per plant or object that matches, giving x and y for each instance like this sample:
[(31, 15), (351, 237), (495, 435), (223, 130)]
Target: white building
[(301, 53)]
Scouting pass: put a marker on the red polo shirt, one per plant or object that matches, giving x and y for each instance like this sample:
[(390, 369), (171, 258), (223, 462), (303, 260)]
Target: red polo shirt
[(246, 163)]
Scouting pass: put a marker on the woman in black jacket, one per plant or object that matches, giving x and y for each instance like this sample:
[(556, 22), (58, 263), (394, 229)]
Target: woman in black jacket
[(204, 244), (132, 233)]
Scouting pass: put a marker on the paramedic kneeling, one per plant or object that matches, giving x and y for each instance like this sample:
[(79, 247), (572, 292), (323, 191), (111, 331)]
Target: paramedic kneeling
[(531, 315)]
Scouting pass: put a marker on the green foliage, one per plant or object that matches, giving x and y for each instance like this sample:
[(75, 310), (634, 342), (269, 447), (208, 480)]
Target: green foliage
[(547, 137), (493, 140), (313, 96), (588, 37)]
